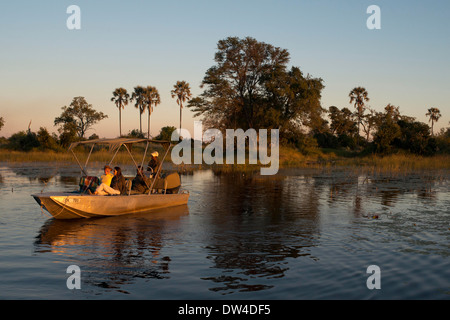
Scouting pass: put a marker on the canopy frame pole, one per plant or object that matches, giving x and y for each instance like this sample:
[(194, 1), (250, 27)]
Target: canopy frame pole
[(81, 167), (89, 155), (145, 154), (159, 169), (114, 156), (137, 168)]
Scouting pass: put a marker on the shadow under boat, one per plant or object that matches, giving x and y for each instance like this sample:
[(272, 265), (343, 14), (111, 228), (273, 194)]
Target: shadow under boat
[(85, 232)]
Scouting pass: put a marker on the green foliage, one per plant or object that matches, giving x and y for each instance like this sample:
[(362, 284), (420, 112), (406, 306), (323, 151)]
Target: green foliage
[(387, 132), (67, 134), (182, 92), (359, 96), (93, 136), (151, 99), (120, 98), (391, 131), (138, 97), (135, 133), (415, 137), (251, 87), (342, 132), (326, 140), (46, 140), (2, 123), (23, 141), (145, 99), (79, 116), (443, 141), (166, 133), (434, 114)]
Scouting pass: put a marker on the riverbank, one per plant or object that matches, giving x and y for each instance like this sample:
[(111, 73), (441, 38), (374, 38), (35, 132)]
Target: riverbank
[(288, 158)]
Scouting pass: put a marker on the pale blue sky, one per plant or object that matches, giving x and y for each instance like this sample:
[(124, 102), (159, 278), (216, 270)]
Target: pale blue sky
[(43, 65)]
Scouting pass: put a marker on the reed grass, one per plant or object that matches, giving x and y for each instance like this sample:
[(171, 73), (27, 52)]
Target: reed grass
[(288, 158), (400, 162), (51, 156)]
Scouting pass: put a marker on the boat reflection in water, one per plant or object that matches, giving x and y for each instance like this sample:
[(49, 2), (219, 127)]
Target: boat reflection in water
[(113, 250)]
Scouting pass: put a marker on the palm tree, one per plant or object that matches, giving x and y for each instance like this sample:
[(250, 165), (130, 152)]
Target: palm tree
[(152, 99), (138, 96), (182, 92), (359, 95), (120, 98), (434, 114)]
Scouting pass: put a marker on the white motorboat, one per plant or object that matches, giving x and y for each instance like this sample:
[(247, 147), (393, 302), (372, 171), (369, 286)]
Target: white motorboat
[(162, 190)]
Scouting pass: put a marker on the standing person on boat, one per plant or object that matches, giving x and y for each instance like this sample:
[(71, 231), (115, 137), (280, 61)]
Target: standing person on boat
[(118, 185), (153, 164)]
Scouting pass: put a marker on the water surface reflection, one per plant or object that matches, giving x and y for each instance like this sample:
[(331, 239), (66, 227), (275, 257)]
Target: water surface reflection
[(259, 223), (302, 234), (114, 250)]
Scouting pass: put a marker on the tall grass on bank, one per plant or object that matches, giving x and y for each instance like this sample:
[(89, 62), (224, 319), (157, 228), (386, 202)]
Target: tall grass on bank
[(288, 158), (50, 156), (399, 162)]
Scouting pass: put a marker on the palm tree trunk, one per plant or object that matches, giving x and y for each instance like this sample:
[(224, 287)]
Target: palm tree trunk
[(120, 122), (181, 109), (148, 125)]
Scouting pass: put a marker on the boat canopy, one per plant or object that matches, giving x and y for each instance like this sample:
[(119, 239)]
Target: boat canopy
[(118, 142), (115, 144)]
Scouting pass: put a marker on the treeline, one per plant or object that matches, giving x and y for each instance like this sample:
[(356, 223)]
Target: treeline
[(79, 117), (251, 86), (43, 140), (73, 123), (382, 132)]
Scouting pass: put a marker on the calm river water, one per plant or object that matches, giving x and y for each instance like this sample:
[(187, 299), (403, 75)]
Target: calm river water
[(302, 234)]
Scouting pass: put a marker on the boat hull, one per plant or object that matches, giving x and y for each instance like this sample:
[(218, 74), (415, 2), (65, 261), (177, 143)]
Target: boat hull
[(76, 206)]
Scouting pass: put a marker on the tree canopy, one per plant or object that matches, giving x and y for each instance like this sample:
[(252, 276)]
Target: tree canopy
[(80, 116), (250, 86), (120, 98), (434, 114)]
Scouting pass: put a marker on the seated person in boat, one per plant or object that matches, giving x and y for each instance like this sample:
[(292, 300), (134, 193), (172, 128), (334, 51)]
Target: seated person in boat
[(153, 164), (107, 177), (118, 184), (140, 182)]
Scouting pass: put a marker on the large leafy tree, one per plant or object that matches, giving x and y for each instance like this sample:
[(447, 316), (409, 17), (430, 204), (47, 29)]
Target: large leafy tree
[(151, 99), (434, 114), (342, 121), (46, 140), (120, 98), (138, 97), (388, 129), (415, 137), (2, 122), (80, 116), (182, 92), (250, 87)]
